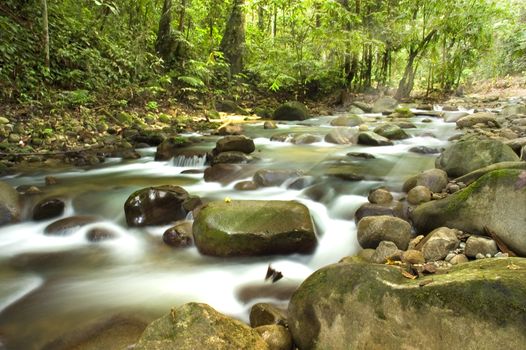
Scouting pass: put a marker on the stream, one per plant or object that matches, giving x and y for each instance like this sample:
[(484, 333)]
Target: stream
[(52, 285)]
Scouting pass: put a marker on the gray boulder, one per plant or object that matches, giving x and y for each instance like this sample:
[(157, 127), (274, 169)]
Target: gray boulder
[(493, 203), (384, 104), (358, 305), (434, 179), (439, 243), (480, 245), (469, 155), (248, 228), (370, 138), (374, 229), (391, 131), (342, 136), (468, 121), (347, 120), (291, 111), (238, 143)]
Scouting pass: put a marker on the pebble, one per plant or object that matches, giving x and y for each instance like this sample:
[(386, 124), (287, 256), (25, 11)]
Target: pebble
[(479, 256), (462, 245), (488, 255), (459, 259), (450, 256), (502, 255)]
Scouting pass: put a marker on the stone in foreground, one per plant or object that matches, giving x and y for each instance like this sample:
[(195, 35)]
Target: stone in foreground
[(198, 326), (249, 228), (358, 305)]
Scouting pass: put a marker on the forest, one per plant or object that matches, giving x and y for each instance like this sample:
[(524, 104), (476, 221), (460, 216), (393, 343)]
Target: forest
[(71, 52)]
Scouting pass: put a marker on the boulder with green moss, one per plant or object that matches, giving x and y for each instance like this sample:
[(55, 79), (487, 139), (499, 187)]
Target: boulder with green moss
[(495, 202), (198, 326), (468, 155), (248, 228), (358, 305), (391, 131), (291, 111)]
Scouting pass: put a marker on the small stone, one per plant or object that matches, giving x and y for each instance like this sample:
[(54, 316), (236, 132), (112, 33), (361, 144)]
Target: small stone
[(462, 245), (458, 259), (51, 180), (412, 256), (47, 209), (482, 245), (277, 337), (367, 254), (246, 186), (270, 125), (380, 196), (179, 236), (479, 256), (450, 256), (363, 127), (414, 242), (386, 250), (419, 194), (501, 255), (488, 255), (99, 234), (439, 243), (262, 314)]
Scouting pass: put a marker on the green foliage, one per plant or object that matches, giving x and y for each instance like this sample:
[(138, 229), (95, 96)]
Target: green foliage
[(152, 105)]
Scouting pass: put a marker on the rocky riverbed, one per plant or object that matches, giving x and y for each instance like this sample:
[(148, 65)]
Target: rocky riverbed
[(408, 219)]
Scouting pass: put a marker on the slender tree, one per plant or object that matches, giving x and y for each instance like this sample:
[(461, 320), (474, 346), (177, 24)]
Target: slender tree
[(46, 32), (165, 44), (233, 42)]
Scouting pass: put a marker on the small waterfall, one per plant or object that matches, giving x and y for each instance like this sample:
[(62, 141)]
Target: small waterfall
[(195, 161)]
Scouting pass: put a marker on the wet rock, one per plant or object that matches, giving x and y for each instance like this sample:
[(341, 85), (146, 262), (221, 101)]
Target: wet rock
[(277, 337), (357, 305), (167, 149), (391, 132), (412, 256), (9, 204), (156, 205), (233, 157), (369, 209), (439, 243), (291, 111), (246, 186), (99, 234), (301, 182), (238, 143), (230, 129), (458, 259), (342, 136), (365, 254), (360, 155), (466, 156), (48, 208), (269, 124), (404, 124), (364, 106), (380, 196), (179, 235), (424, 150), (477, 118), (262, 314), (453, 116), (434, 179), (384, 104), (482, 245), (67, 226), (490, 203), (304, 139), (252, 292), (513, 109), (347, 120), (374, 229), (401, 112), (370, 138), (347, 172), (418, 195), (115, 332), (198, 326), (226, 173), (386, 250), (274, 177), (248, 228)]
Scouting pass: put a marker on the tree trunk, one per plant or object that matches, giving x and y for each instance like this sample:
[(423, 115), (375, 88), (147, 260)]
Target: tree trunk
[(165, 41), (406, 83), (233, 42), (46, 33)]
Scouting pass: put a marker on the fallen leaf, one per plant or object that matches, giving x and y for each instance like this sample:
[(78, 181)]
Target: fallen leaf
[(512, 266)]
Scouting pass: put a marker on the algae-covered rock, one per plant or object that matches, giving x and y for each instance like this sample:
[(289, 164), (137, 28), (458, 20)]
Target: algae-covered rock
[(391, 131), (198, 326), (156, 205), (248, 228), (9, 204), (466, 156), (357, 305), (291, 111), (495, 202), (370, 138), (347, 120)]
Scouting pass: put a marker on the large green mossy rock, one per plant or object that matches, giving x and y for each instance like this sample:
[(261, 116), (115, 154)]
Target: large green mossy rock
[(248, 228), (198, 326), (466, 156), (291, 111), (9, 204), (358, 305), (495, 202)]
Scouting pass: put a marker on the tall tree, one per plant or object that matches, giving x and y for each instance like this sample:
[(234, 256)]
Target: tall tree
[(165, 44), (46, 32), (233, 42)]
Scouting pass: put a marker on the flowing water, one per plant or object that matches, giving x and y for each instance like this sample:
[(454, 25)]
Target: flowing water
[(51, 285)]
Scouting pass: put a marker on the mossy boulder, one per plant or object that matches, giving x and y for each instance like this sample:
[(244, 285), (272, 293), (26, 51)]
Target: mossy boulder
[(9, 204), (168, 148), (156, 205), (495, 202), (291, 111), (347, 120), (358, 305), (466, 156), (248, 228), (198, 326), (370, 138), (391, 131), (238, 143)]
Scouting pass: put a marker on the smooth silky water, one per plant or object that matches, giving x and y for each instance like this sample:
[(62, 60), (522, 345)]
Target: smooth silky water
[(51, 285)]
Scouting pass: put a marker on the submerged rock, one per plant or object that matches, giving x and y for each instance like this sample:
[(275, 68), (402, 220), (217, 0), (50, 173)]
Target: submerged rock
[(466, 156), (156, 205), (274, 177), (495, 202), (47, 209), (357, 305), (9, 204), (248, 228), (198, 326), (68, 225)]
